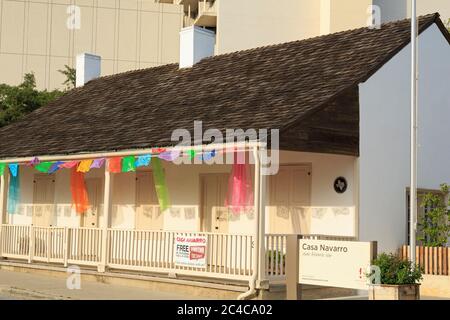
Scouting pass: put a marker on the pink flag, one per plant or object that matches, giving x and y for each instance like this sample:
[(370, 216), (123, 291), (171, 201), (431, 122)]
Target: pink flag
[(240, 189), (69, 164)]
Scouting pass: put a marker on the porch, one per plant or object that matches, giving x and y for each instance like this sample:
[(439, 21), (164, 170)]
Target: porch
[(131, 233)]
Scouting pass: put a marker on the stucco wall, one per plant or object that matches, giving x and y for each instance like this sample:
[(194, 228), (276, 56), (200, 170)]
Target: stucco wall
[(385, 135), (184, 190)]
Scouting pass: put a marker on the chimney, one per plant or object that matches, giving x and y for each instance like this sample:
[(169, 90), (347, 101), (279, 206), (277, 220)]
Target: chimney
[(88, 68), (195, 44)]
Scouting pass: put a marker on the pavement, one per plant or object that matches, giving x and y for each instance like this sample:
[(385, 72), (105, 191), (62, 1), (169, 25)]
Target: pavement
[(20, 286)]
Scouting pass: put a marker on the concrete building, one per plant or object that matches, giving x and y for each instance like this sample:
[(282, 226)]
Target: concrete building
[(42, 36)]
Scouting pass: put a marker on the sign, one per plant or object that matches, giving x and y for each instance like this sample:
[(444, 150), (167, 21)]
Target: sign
[(340, 185), (341, 264), (190, 251)]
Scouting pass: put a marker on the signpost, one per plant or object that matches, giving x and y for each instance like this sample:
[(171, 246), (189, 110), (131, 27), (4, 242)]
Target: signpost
[(190, 251), (341, 264)]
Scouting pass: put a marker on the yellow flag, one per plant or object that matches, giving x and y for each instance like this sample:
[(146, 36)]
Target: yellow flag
[(84, 166)]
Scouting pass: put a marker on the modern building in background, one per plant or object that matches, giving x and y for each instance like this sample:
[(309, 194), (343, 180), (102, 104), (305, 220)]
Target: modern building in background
[(42, 36)]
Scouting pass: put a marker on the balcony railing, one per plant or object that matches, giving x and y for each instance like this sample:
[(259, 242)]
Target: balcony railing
[(228, 256)]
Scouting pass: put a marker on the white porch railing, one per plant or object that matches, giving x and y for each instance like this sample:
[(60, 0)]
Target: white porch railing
[(275, 245), (228, 256)]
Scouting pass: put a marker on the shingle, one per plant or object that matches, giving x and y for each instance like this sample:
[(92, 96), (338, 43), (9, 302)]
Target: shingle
[(268, 87)]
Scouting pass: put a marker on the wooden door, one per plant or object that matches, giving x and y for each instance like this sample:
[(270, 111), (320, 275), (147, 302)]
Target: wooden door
[(148, 214), (215, 216), (94, 189), (290, 193), (43, 200)]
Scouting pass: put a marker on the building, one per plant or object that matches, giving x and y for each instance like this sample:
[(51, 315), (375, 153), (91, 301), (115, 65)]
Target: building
[(340, 102), (42, 36)]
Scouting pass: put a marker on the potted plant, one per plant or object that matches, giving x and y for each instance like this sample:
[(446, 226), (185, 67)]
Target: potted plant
[(398, 279)]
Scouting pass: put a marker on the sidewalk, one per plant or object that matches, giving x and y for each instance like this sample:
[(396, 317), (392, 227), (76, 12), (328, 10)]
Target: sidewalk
[(18, 285)]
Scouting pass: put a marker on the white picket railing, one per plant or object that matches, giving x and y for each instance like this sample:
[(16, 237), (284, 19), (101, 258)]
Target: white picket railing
[(228, 256)]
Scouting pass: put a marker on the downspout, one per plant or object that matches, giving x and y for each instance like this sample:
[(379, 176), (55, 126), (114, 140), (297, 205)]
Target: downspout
[(252, 282)]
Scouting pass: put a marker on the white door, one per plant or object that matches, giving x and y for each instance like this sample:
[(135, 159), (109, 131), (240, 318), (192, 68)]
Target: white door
[(148, 214), (215, 216), (290, 193), (43, 200), (90, 218)]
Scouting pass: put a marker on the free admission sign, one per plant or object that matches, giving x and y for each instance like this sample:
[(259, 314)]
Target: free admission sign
[(340, 264), (190, 251)]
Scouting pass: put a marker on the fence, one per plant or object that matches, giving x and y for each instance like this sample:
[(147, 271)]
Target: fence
[(275, 245), (433, 260), (228, 256)]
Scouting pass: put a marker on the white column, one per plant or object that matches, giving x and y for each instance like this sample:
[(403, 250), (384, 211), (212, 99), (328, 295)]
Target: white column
[(107, 208), (256, 208), (262, 281), (3, 201)]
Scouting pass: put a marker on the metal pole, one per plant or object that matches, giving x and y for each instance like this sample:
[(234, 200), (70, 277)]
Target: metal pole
[(414, 80)]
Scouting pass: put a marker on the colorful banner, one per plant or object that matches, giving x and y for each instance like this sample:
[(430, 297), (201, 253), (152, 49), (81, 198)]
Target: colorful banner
[(69, 164), (143, 161), (79, 193), (240, 190), (190, 251), (115, 165), (14, 169), (98, 163), (2, 168), (129, 164), (169, 155), (55, 167), (44, 167), (14, 192), (160, 185), (85, 166)]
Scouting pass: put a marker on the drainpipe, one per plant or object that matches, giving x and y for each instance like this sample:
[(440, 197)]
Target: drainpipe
[(252, 283)]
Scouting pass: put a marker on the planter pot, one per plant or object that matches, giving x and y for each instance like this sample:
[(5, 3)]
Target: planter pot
[(394, 292)]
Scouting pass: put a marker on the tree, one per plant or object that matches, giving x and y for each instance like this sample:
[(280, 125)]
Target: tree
[(17, 101), (71, 76), (435, 224)]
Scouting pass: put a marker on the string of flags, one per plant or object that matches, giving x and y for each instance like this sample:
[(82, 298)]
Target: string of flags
[(114, 165)]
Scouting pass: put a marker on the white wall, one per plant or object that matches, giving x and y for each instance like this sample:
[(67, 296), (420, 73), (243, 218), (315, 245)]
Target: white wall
[(183, 182), (384, 137)]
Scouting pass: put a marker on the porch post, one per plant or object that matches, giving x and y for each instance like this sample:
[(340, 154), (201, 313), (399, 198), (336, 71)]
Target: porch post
[(259, 222), (3, 201), (107, 206), (262, 281)]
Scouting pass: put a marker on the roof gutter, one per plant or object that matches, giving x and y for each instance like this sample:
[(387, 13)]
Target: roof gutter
[(137, 152)]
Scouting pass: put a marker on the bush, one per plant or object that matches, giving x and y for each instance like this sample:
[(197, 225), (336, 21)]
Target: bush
[(434, 226), (396, 271)]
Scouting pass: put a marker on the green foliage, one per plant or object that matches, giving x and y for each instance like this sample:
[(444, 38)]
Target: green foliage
[(276, 256), (434, 226), (397, 271), (17, 101), (71, 76)]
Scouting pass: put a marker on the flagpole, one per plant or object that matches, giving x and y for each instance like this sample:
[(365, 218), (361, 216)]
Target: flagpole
[(414, 80)]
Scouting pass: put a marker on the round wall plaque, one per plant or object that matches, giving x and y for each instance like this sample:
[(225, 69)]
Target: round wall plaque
[(340, 185)]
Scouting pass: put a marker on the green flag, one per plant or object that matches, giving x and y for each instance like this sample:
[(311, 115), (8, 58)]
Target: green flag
[(2, 168), (128, 164), (160, 184), (43, 166)]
